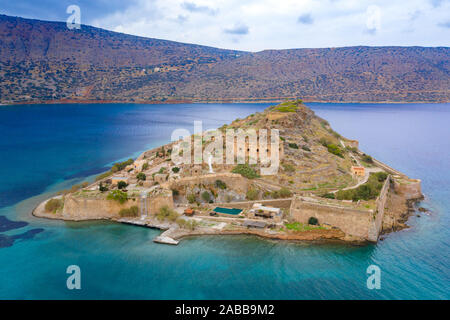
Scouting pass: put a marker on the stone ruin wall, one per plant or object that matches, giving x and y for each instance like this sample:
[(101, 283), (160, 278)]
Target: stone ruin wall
[(90, 209), (93, 209), (232, 180), (377, 220), (364, 224), (410, 189), (351, 221), (157, 202)]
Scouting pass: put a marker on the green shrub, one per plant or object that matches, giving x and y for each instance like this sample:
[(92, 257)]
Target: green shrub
[(206, 196), (293, 145), (165, 213), (117, 167), (191, 225), (141, 176), (246, 171), (145, 166), (103, 175), (284, 192), (275, 194), (220, 184), (191, 198), (300, 227), (313, 221), (252, 194), (288, 167), (118, 195), (286, 107), (175, 169), (121, 165), (130, 212), (187, 224), (329, 196), (381, 176), (53, 205), (122, 185), (369, 190), (181, 222), (306, 148), (102, 188), (367, 158), (324, 123), (334, 149)]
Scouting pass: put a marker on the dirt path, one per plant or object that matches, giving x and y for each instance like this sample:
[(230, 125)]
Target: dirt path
[(368, 171)]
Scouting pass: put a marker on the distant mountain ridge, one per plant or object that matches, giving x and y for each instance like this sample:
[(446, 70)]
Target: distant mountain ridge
[(43, 61)]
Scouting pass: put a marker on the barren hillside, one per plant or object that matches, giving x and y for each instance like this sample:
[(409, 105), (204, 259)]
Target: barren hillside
[(45, 61)]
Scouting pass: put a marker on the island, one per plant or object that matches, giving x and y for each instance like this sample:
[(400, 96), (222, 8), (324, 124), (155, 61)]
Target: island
[(325, 188)]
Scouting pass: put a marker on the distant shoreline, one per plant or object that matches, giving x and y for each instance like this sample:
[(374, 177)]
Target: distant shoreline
[(224, 101)]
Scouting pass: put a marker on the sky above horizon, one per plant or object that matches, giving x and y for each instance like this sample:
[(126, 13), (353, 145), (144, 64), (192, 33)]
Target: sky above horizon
[(255, 25)]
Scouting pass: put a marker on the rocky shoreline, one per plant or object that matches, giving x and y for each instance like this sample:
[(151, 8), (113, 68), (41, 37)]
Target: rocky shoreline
[(173, 232), (176, 233), (401, 212)]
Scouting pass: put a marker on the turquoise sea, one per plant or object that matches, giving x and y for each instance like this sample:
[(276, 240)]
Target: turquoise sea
[(45, 148)]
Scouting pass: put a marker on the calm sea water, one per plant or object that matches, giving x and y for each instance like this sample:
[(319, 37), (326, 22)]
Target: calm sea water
[(45, 148)]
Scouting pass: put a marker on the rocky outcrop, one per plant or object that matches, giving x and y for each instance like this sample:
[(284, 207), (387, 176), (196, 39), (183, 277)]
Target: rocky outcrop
[(399, 204)]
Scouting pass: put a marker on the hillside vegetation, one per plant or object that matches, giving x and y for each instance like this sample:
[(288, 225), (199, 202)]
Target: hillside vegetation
[(44, 61)]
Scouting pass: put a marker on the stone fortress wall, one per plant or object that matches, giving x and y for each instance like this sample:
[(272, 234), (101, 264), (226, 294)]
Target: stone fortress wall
[(232, 180), (351, 221), (156, 203), (363, 224), (91, 209), (409, 188), (376, 222)]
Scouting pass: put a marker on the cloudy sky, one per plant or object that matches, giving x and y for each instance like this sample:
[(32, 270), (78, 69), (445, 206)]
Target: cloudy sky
[(256, 25)]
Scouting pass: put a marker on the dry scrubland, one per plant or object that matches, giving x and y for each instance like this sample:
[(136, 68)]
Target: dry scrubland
[(45, 62)]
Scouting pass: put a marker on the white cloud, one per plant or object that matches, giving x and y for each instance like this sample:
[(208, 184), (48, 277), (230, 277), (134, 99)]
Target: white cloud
[(279, 24), (237, 29)]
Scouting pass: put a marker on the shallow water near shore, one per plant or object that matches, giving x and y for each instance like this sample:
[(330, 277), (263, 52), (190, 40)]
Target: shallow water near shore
[(46, 148)]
